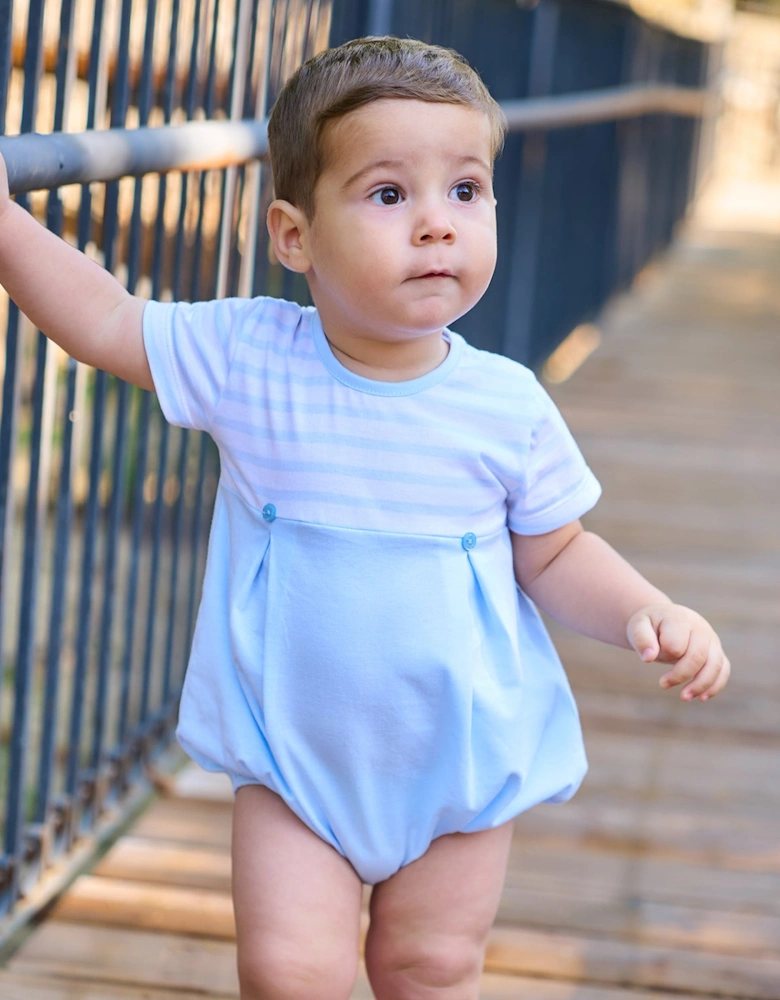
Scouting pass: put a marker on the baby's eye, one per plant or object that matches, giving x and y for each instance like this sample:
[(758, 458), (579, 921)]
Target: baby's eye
[(387, 196), (466, 191)]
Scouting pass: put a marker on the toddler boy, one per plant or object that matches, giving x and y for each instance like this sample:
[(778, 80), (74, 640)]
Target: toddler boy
[(368, 665)]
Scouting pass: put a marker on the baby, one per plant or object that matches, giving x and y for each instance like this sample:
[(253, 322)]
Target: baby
[(368, 663)]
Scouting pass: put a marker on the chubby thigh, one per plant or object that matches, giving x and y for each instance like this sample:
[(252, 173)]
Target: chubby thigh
[(297, 905), (296, 902), (430, 921)]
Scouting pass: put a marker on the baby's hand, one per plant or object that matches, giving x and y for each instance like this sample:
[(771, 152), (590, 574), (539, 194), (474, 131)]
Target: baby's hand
[(671, 633)]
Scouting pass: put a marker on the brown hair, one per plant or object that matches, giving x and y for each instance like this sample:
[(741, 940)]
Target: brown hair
[(342, 79)]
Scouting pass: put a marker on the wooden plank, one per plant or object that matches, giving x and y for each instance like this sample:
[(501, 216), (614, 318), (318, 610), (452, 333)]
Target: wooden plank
[(699, 832), (650, 716), (169, 863), (171, 909), (642, 922), (498, 987), (699, 898), (674, 877), (679, 766), (33, 987), (197, 823), (142, 958), (600, 960)]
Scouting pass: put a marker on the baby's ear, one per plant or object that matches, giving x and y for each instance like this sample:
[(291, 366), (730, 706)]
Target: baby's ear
[(288, 229)]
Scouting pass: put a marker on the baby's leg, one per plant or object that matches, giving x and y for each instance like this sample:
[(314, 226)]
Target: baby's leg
[(297, 905), (430, 921)]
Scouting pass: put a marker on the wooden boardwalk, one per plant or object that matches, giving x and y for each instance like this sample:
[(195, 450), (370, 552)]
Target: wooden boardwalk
[(662, 877)]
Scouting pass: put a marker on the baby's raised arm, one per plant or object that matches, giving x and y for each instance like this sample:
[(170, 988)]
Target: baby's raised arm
[(69, 297)]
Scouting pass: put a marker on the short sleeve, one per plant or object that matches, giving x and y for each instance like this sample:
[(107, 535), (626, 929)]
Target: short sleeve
[(557, 486), (189, 346)]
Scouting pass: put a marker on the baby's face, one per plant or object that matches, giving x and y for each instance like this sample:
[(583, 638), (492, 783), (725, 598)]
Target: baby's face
[(403, 239)]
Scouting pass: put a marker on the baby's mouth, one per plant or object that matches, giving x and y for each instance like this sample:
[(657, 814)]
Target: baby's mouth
[(435, 274)]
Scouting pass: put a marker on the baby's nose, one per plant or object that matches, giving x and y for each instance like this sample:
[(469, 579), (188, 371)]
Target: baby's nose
[(435, 227)]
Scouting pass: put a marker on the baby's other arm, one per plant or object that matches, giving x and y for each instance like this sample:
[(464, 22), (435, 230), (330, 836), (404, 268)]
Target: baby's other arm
[(582, 582), (69, 297)]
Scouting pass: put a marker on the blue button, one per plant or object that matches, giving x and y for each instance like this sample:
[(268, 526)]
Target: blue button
[(468, 541), (269, 512)]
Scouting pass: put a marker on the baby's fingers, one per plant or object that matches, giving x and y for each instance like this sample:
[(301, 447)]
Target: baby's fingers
[(691, 657), (711, 679)]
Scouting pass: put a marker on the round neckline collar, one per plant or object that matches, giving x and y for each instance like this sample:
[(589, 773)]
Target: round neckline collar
[(374, 386)]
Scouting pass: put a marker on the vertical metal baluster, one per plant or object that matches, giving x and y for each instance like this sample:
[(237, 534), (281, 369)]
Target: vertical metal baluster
[(208, 107), (310, 32), (255, 170), (244, 170), (379, 17), (15, 816), (85, 609), (174, 583), (59, 585), (324, 25), (240, 62), (122, 754), (64, 495), (278, 42), (289, 278), (6, 42), (151, 616), (70, 804), (528, 222), (275, 48), (168, 102), (94, 777), (123, 751)]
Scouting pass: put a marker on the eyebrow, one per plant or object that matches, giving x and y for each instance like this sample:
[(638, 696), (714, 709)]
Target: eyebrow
[(462, 161), (368, 168), (394, 164)]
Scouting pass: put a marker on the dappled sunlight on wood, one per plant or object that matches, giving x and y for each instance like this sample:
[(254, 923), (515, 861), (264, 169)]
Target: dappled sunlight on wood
[(571, 353)]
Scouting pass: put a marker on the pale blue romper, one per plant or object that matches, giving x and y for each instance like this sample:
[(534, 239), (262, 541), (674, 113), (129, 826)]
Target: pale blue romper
[(361, 646)]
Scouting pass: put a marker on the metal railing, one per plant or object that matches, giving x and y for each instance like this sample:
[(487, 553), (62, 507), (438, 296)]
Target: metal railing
[(104, 508)]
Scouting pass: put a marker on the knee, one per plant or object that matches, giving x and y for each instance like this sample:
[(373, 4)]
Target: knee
[(277, 973), (418, 969)]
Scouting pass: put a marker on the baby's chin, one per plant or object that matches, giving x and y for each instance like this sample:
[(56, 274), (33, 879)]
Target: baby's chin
[(428, 317), (407, 334)]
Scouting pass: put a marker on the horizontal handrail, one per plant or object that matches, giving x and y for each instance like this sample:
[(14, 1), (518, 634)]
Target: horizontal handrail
[(609, 104), (37, 162)]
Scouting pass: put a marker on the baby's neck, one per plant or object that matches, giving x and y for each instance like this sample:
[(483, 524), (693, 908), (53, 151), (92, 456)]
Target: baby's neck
[(394, 361)]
